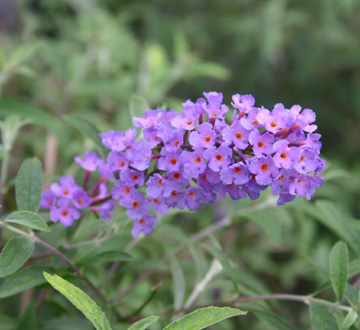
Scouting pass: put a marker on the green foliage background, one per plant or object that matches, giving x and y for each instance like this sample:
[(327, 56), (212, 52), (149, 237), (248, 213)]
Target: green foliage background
[(109, 60)]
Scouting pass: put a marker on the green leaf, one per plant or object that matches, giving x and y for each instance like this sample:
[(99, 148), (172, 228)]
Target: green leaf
[(339, 268), (349, 320), (321, 318), (228, 269), (88, 129), (144, 323), (66, 324), (28, 219), (269, 221), (179, 284), (15, 253), (36, 115), (275, 321), (24, 279), (80, 300), (28, 185), (203, 318), (7, 322), (21, 55)]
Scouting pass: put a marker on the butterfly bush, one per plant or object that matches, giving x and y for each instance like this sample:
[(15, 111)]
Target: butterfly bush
[(193, 157)]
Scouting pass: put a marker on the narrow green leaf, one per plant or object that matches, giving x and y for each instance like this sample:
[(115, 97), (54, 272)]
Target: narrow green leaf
[(339, 268), (321, 318), (203, 318), (144, 323), (349, 320), (28, 219), (22, 280), (275, 321), (15, 253), (269, 222), (228, 269), (354, 267), (179, 284), (351, 295), (21, 54), (28, 185), (80, 300), (88, 129)]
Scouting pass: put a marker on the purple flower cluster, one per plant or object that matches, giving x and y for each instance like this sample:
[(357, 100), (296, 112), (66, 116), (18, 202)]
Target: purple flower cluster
[(189, 158), (65, 199)]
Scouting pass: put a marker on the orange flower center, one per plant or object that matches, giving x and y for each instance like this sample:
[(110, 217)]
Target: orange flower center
[(142, 221), (191, 194), (282, 177), (197, 159), (219, 157), (122, 163), (177, 175), (66, 192), (160, 182), (238, 135), (156, 200), (264, 167), (173, 161), (80, 201), (255, 122), (302, 158), (273, 124), (176, 143), (136, 204), (261, 144), (64, 213), (189, 122), (283, 155), (174, 194), (207, 138), (237, 170), (135, 177), (127, 190)]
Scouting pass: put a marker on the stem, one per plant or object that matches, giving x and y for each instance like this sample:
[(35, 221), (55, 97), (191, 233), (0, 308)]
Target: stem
[(3, 178), (86, 179)]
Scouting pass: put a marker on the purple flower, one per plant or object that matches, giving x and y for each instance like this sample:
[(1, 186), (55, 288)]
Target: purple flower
[(177, 180), (285, 157), (66, 188), (64, 212), (214, 108), (151, 134), (106, 209), (193, 197), (145, 224), (123, 141), (219, 158), (158, 186), (81, 199), (262, 143), (204, 137), (160, 206), (139, 155), (170, 161), (132, 178), (48, 199), (106, 138), (117, 161), (264, 169), (273, 121), (193, 163), (90, 162), (250, 122), (237, 135), (137, 205), (105, 171), (308, 161), (243, 102), (238, 174), (234, 192), (210, 181), (122, 190), (174, 141)]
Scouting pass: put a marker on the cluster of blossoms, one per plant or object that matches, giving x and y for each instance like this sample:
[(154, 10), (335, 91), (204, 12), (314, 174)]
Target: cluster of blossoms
[(189, 158)]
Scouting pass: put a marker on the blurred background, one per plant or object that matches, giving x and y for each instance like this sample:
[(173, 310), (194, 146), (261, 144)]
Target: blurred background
[(108, 60)]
